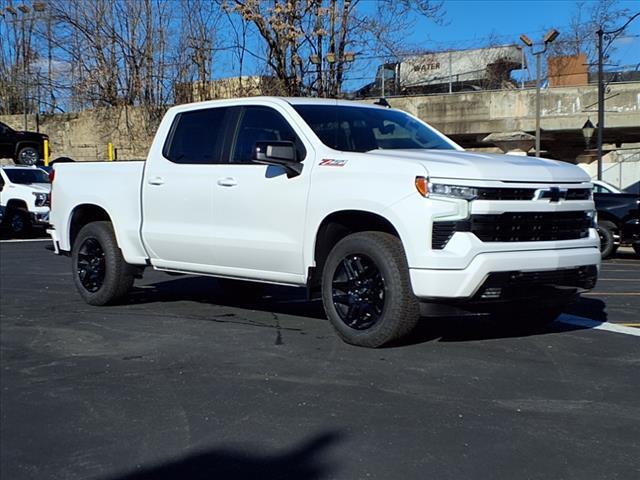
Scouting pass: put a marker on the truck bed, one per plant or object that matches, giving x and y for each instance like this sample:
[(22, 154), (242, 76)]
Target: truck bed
[(112, 186)]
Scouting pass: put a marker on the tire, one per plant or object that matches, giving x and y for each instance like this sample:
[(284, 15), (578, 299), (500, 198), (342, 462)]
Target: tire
[(61, 160), (636, 248), (27, 156), (608, 245), (100, 273), (366, 291), (18, 222)]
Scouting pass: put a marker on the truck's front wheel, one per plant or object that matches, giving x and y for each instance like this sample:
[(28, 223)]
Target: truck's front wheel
[(18, 221), (99, 271), (366, 290)]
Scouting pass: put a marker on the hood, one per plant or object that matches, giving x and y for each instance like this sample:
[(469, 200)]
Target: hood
[(41, 187), (489, 166), (35, 187)]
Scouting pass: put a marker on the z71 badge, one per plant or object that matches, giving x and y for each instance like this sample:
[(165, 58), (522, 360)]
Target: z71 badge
[(330, 162)]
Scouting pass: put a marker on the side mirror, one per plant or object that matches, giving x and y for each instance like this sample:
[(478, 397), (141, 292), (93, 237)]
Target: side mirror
[(282, 154)]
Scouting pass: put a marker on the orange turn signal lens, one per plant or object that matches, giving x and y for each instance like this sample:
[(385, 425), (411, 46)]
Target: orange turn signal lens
[(422, 185)]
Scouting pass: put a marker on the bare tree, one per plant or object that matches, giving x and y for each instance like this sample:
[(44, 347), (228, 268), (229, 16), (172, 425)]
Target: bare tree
[(121, 53), (587, 18), (309, 44)]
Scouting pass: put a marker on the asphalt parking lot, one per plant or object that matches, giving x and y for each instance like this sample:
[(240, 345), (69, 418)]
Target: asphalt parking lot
[(183, 383)]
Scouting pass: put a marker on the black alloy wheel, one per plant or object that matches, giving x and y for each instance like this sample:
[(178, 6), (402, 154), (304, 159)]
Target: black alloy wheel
[(100, 272), (91, 265), (358, 291), (366, 290)]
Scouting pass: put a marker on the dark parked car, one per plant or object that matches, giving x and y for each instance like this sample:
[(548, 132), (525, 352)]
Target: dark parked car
[(618, 221), (25, 148)]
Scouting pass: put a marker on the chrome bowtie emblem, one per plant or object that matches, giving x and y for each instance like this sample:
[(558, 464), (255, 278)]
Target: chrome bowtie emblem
[(554, 194)]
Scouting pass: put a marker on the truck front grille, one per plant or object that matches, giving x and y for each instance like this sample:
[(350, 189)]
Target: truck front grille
[(489, 193), (516, 227)]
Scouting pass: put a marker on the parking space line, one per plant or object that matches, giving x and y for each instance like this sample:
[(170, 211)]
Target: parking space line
[(619, 279), (612, 294), (26, 240), (609, 327), (607, 270)]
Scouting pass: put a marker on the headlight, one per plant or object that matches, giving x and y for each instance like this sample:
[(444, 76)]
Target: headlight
[(41, 199), (593, 215), (426, 189), (458, 191)]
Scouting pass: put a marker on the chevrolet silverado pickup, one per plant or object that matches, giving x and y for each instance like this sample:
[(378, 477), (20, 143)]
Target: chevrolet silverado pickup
[(369, 208)]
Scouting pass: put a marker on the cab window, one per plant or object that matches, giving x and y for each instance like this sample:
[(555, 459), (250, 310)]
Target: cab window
[(196, 137), (261, 124)]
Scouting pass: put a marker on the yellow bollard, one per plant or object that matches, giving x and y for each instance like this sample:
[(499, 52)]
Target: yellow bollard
[(110, 152), (46, 153)]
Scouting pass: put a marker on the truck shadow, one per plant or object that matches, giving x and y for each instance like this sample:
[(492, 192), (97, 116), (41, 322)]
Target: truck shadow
[(305, 461), (292, 301), (272, 298), (32, 234)]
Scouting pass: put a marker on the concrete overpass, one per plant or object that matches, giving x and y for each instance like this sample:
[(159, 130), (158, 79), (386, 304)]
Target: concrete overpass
[(469, 117)]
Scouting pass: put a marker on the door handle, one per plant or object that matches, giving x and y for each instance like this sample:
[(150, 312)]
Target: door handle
[(156, 181), (227, 182)]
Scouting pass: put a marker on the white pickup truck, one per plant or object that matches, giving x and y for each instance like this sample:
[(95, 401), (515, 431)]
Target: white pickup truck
[(368, 207)]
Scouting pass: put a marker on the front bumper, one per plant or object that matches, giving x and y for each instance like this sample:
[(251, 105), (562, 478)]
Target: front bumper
[(40, 218), (464, 284)]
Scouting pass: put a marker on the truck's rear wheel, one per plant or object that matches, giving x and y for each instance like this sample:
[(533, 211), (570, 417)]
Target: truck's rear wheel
[(99, 271), (366, 290)]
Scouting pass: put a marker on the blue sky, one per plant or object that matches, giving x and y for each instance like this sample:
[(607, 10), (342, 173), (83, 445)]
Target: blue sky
[(470, 23)]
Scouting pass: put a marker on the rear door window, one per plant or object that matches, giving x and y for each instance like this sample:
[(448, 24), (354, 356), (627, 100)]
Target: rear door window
[(196, 137)]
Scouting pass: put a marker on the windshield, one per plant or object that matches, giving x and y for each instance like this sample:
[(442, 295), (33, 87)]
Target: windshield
[(360, 129), (24, 176)]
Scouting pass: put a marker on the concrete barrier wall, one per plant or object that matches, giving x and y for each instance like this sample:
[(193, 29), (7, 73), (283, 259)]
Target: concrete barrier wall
[(562, 108), (85, 136)]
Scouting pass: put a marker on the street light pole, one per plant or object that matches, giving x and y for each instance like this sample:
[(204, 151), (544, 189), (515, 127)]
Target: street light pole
[(600, 125), (548, 38), (538, 55)]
